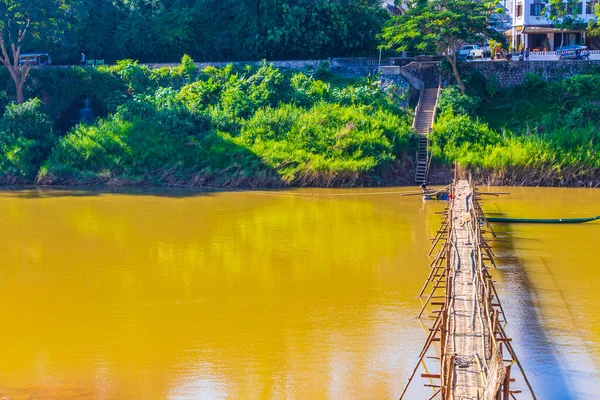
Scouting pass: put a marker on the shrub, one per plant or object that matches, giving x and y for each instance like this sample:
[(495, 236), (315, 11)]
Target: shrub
[(26, 137), (453, 135), (255, 121), (451, 98)]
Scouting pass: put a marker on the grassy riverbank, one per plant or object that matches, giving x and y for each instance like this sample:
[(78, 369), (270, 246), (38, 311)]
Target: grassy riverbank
[(265, 127), (218, 127), (537, 134)]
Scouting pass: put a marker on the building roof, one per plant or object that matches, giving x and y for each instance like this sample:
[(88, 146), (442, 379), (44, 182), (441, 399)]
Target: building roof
[(539, 29), (546, 29), (32, 54)]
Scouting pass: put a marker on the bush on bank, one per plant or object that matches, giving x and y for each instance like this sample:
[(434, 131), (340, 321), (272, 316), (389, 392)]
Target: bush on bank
[(538, 133), (220, 126), (26, 137), (260, 126)]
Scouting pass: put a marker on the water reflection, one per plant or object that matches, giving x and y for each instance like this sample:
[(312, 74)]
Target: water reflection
[(231, 295), (546, 272), (531, 343), (110, 294)]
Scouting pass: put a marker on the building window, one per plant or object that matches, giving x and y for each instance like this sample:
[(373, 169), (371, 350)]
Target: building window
[(536, 9), (576, 9), (590, 6), (519, 10)]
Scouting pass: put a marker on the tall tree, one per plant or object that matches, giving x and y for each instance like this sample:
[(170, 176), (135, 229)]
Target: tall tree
[(29, 20), (593, 28), (564, 15), (440, 26)]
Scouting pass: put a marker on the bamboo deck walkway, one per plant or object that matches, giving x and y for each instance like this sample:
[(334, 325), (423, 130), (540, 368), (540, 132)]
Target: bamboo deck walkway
[(467, 337), (475, 355)]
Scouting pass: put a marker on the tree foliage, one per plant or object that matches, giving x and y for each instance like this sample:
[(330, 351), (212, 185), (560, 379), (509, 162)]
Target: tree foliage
[(223, 30), (440, 26), (23, 21), (564, 14)]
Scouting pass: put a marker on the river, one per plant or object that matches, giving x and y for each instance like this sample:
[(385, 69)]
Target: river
[(138, 293)]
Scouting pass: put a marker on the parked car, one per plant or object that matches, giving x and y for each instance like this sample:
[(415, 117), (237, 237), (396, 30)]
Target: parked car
[(470, 51), (573, 52), (487, 51), (35, 59)]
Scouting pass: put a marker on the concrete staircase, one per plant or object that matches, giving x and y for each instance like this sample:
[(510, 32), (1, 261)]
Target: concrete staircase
[(423, 123)]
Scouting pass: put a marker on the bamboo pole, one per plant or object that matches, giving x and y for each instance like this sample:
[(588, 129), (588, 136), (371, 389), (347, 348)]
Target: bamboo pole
[(421, 356), (514, 356), (435, 287), (506, 383)]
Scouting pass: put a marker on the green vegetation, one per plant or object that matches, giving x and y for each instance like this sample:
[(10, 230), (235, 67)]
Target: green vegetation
[(219, 30), (564, 15), (441, 26), (249, 126), (24, 21), (261, 126), (539, 133)]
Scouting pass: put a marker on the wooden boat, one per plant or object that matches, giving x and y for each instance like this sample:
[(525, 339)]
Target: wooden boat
[(439, 195), (542, 221)]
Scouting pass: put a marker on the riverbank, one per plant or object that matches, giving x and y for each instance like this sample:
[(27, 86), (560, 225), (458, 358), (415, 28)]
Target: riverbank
[(537, 134), (262, 127), (239, 127), (400, 174)]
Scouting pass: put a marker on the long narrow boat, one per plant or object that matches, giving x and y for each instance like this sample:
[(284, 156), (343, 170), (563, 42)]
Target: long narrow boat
[(543, 221)]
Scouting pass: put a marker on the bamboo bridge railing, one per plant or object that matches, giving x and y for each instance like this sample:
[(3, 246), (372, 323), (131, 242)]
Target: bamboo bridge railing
[(477, 343)]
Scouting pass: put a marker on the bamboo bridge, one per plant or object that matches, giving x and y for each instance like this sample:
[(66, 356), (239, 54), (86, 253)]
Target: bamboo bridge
[(475, 357)]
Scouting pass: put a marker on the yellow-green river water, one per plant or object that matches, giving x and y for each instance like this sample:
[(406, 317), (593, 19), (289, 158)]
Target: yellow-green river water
[(300, 294)]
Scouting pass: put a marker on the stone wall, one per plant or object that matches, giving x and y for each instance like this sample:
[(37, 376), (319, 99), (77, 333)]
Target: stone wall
[(427, 72), (293, 64), (400, 88), (513, 73)]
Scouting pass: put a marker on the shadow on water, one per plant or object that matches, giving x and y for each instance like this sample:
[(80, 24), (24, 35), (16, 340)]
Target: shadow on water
[(532, 344), (39, 192)]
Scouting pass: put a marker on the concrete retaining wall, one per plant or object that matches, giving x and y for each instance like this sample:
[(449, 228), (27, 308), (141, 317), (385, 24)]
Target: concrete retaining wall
[(514, 73)]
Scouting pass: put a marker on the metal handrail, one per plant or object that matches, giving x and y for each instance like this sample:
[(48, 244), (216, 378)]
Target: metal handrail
[(418, 107), (437, 98)]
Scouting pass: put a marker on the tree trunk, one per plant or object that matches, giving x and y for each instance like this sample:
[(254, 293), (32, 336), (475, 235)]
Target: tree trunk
[(17, 73), (20, 93), (452, 61)]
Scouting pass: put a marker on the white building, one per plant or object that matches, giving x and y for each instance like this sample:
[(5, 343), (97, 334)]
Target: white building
[(530, 29)]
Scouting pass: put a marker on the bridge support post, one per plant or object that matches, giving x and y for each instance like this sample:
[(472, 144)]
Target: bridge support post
[(506, 383)]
